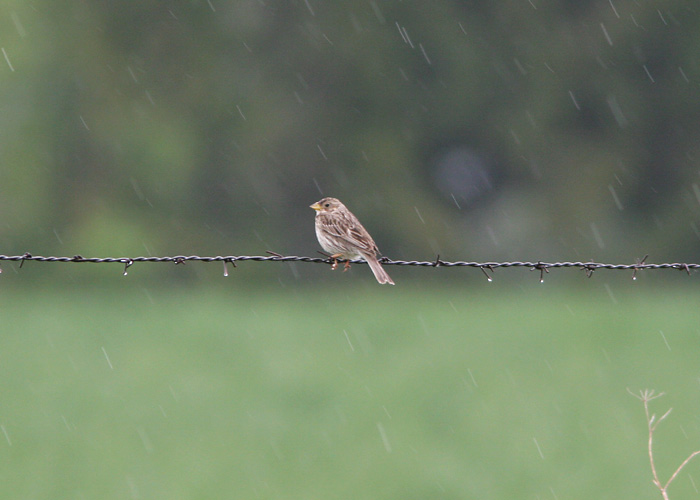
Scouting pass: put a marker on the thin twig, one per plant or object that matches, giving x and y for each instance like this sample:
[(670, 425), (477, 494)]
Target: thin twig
[(645, 397)]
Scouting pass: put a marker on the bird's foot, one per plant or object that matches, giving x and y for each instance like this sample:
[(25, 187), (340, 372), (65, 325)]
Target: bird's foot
[(334, 266)]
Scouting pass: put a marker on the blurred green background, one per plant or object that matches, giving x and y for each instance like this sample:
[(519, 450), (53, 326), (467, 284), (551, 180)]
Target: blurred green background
[(490, 130), (490, 392), (530, 130)]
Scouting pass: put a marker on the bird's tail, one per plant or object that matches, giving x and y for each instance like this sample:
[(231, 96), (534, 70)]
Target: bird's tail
[(378, 270)]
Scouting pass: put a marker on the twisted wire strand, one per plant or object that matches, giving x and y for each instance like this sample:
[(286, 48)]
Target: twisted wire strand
[(543, 267)]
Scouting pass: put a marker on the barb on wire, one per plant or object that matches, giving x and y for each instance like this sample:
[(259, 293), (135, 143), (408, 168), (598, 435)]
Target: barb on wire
[(640, 262), (483, 270), (543, 267)]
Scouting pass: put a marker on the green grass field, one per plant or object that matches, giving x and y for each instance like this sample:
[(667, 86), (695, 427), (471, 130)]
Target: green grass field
[(481, 392)]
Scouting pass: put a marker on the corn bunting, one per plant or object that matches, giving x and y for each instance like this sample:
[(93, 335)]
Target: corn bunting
[(341, 234)]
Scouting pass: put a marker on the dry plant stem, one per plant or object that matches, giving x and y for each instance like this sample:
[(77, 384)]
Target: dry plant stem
[(652, 423)]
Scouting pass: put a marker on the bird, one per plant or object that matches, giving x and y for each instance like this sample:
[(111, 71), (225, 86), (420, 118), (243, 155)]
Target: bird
[(341, 234)]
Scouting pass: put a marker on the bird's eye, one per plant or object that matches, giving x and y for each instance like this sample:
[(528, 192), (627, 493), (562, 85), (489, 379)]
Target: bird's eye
[(327, 205)]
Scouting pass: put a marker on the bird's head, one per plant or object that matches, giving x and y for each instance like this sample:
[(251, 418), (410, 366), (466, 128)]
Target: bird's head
[(327, 205)]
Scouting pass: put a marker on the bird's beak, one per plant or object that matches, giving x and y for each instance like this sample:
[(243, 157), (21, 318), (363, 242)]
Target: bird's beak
[(316, 206)]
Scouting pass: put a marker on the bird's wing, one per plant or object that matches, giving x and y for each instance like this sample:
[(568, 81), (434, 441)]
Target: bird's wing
[(349, 229)]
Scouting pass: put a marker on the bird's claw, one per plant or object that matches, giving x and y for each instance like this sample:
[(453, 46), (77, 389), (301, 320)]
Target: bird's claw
[(334, 266)]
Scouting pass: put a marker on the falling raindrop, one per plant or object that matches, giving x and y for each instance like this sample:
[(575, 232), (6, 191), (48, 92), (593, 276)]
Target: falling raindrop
[(104, 351), (65, 422), (55, 232), (347, 337), (696, 190), (607, 36), (385, 439), (148, 295), (695, 229), (471, 375), (7, 436), (492, 235), (7, 59), (573, 98), (610, 293), (646, 70), (539, 450), (308, 5), (137, 188), (419, 215), (18, 25), (145, 440), (617, 111), (596, 235), (424, 53), (241, 112), (615, 197), (663, 20), (515, 136), (378, 13)]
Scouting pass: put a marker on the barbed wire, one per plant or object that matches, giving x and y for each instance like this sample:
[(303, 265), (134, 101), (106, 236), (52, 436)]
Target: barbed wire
[(486, 267)]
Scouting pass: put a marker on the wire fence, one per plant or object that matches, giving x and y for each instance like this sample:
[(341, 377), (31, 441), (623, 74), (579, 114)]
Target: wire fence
[(486, 267)]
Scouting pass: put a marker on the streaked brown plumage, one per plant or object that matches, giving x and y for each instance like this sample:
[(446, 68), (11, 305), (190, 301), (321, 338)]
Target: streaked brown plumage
[(341, 234)]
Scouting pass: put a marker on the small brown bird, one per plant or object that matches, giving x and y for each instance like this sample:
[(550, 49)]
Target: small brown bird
[(341, 234)]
